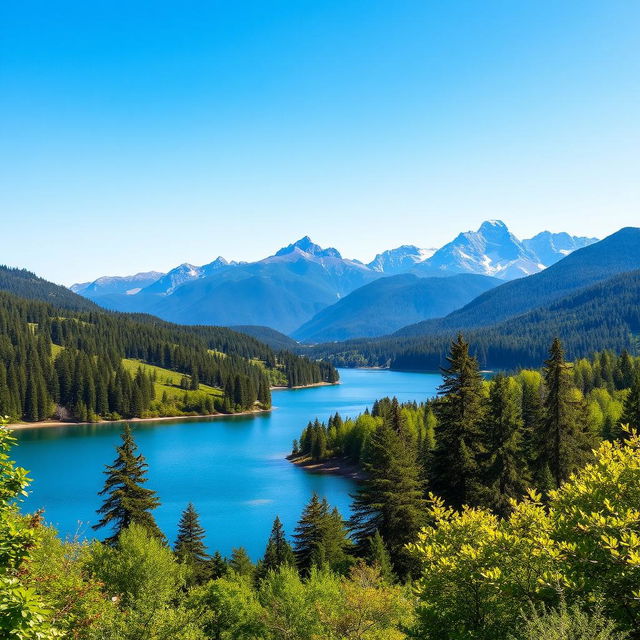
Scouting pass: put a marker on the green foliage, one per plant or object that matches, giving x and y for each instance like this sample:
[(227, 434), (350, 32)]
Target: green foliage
[(278, 552), (240, 563), (23, 614), (390, 500), (456, 472), (567, 623), (127, 500), (360, 606), (227, 609), (189, 546), (563, 440), (321, 538), (479, 572), (145, 580)]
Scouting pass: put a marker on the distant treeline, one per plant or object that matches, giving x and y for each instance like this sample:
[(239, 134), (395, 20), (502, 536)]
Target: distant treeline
[(600, 317), (56, 359)]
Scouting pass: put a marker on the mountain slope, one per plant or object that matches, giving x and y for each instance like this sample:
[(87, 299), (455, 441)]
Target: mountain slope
[(491, 250), (272, 338), (282, 291), (399, 260), (551, 247), (288, 288), (615, 254), (109, 285), (602, 316), (384, 305), (25, 284)]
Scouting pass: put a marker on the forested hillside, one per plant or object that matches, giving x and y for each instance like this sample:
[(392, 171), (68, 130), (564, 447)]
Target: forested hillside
[(618, 253), (268, 336), (603, 316), (25, 284), (56, 361)]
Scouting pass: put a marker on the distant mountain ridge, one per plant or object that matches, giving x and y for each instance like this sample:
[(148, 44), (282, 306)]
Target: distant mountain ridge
[(382, 306), (287, 289), (617, 253)]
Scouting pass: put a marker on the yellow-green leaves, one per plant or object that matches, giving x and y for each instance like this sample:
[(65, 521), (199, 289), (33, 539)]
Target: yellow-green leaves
[(479, 572)]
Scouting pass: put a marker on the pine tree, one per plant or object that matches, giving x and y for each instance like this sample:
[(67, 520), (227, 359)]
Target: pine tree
[(390, 500), (127, 500), (563, 444), (378, 557), (189, 546), (320, 538), (278, 552), (505, 468), (631, 411), (240, 562), (217, 567), (460, 412)]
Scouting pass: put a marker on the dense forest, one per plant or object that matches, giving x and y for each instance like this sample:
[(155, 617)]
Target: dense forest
[(447, 539), (602, 316), (81, 363)]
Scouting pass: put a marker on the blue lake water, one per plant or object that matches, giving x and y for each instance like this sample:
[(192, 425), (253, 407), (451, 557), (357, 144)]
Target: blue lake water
[(232, 468)]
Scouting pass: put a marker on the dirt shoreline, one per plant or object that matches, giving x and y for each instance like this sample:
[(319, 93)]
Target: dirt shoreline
[(60, 423), (306, 386), (332, 466)]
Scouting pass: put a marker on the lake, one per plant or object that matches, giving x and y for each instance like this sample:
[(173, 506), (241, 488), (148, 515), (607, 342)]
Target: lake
[(232, 468)]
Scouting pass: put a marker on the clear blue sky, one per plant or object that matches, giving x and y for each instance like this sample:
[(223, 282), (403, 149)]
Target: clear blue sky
[(138, 135)]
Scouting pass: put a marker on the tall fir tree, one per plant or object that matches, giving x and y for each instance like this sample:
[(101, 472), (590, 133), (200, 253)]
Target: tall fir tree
[(217, 567), (127, 500), (460, 413), (189, 546), (631, 411), (320, 538), (390, 500), (240, 563), (505, 467), (278, 552), (564, 443)]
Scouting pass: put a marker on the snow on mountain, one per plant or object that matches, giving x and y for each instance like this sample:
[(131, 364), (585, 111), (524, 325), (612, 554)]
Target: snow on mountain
[(108, 285), (551, 247), (491, 250), (400, 259)]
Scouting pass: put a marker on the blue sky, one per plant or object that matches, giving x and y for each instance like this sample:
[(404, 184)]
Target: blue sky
[(138, 135)]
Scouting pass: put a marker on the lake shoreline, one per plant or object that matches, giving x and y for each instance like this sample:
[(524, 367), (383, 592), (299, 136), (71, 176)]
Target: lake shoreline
[(59, 423), (307, 386), (332, 466), (44, 424)]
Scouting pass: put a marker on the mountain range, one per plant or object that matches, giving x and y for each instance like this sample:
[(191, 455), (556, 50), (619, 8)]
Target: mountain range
[(289, 289), (590, 299)]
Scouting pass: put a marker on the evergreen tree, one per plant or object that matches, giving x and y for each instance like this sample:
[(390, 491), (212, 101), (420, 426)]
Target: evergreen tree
[(631, 411), (460, 412), (563, 442), (240, 562), (217, 567), (320, 538), (278, 552), (390, 500), (189, 545), (127, 500), (378, 557), (505, 468)]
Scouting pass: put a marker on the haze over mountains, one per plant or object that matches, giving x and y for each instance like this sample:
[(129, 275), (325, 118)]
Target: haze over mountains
[(288, 289)]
